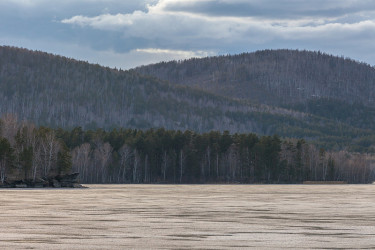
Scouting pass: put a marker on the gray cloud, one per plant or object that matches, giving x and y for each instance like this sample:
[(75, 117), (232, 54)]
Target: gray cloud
[(273, 8), (132, 32), (190, 29)]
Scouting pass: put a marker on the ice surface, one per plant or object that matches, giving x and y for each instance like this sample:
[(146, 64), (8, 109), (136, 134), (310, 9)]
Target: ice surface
[(189, 217)]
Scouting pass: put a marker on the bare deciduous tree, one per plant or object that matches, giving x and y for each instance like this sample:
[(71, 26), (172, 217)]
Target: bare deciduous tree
[(81, 160)]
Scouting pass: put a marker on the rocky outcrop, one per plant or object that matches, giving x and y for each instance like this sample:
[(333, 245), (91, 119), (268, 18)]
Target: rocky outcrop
[(68, 180), (59, 181)]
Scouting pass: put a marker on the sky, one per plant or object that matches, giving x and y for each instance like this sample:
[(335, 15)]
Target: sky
[(129, 33)]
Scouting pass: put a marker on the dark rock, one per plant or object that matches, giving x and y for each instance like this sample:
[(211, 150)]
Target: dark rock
[(19, 184), (41, 183), (68, 180), (78, 186), (59, 181), (73, 178), (23, 185), (55, 183)]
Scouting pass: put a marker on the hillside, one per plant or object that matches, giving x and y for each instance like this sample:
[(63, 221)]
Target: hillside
[(312, 82), (274, 76), (60, 92)]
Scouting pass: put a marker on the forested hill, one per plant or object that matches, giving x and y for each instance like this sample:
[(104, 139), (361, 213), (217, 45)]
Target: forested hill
[(60, 92), (274, 76), (56, 91), (335, 88)]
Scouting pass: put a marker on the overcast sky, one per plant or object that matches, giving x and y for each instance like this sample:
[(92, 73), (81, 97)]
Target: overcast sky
[(129, 33)]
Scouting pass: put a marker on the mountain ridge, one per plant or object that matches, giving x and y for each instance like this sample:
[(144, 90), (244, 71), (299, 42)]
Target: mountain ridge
[(57, 91), (40, 79), (336, 88), (288, 76)]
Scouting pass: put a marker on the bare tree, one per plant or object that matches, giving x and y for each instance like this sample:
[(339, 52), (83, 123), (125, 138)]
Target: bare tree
[(164, 164), (49, 149), (102, 157), (208, 157), (125, 154), (182, 163), (135, 166), (81, 160), (6, 155), (9, 127)]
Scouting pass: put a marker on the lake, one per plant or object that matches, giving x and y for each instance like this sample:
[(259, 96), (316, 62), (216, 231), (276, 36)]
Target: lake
[(189, 217)]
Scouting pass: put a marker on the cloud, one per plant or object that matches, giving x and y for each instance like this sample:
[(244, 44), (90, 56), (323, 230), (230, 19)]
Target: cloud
[(333, 31), (66, 8), (180, 23), (108, 57), (139, 57), (106, 21), (176, 29), (182, 54), (267, 8)]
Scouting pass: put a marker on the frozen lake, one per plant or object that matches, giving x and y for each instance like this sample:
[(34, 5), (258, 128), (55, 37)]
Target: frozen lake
[(189, 217)]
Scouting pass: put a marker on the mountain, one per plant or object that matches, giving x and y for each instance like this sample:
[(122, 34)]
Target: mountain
[(61, 92), (274, 76), (56, 91), (311, 82)]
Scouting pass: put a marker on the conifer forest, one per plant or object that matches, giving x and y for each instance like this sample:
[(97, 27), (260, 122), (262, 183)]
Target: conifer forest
[(170, 156)]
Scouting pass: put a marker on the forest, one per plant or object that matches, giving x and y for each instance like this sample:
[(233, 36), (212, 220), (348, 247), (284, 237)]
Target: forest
[(264, 117), (326, 86), (54, 91), (273, 76), (171, 156)]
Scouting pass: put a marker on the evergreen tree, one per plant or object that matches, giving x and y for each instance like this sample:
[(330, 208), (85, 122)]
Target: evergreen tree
[(64, 160)]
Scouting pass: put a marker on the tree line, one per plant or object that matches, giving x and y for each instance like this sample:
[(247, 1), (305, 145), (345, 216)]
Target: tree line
[(170, 156), (30, 153)]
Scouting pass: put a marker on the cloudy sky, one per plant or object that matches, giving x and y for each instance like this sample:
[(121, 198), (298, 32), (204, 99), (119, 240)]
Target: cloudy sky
[(128, 33)]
